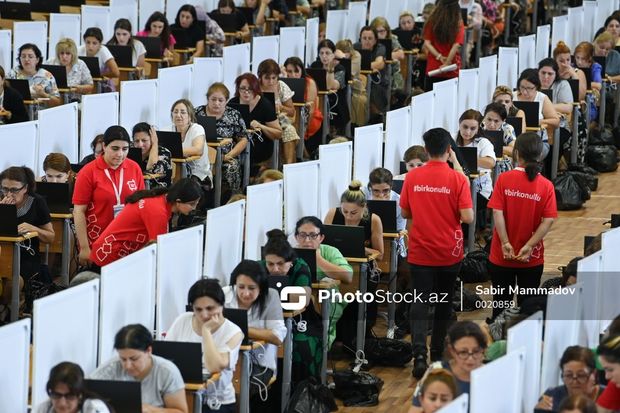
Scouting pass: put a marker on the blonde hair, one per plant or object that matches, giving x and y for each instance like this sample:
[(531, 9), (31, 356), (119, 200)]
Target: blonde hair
[(218, 87), (439, 375), (502, 90), (604, 37), (67, 45), (271, 174), (382, 21), (406, 13), (235, 198), (355, 195), (345, 46), (338, 139)]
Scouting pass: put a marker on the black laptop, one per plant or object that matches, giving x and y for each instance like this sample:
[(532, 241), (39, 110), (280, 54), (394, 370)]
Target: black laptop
[(547, 92), (22, 87), (10, 10), (8, 220), (45, 6), (209, 125), (93, 66), (271, 98), (320, 78), (470, 158), (59, 73), (122, 55), (76, 167), (574, 87), (531, 112), (172, 142), (516, 123), (309, 256), (228, 22), (152, 46), (386, 211), (182, 38), (244, 110), (387, 43), (248, 13), (122, 396), (497, 139), (298, 86), (278, 282), (135, 154), (366, 59), (186, 356), (346, 63), (240, 318), (397, 185), (348, 240), (601, 60), (405, 38), (57, 196)]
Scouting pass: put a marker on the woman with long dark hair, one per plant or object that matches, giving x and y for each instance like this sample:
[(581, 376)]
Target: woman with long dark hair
[(157, 26), (187, 20), (123, 37)]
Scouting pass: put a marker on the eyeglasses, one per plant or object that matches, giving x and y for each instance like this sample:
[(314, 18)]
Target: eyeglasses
[(464, 354), (245, 89), (6, 190), (70, 397), (581, 377), (304, 235), (527, 89)]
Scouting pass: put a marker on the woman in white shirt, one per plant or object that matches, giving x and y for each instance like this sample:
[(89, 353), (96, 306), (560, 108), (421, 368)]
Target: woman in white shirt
[(93, 47), (193, 138), (122, 37), (220, 339), (79, 79)]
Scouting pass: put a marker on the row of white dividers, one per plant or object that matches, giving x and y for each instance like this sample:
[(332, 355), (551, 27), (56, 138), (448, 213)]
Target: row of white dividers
[(543, 36), (508, 66), (97, 16), (292, 43), (224, 240), (446, 101), (468, 90), (527, 52), (236, 62), (64, 25), (138, 103), (312, 40), (458, 405), (264, 47), (5, 49), (15, 362), (334, 174), (422, 107), (29, 32), (207, 70), (125, 9), (264, 213), (148, 7)]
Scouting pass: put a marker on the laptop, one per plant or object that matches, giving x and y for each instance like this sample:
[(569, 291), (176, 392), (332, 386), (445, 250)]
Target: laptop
[(244, 110), (497, 139), (240, 318), (387, 43), (309, 256), (587, 240), (346, 63), (402, 167), (172, 142), (8, 220), (122, 55), (405, 38), (366, 59), (227, 22), (386, 211), (531, 112), (278, 282), (320, 78), (547, 92), (10, 10), (45, 6), (271, 98), (347, 239), (122, 396), (464, 16), (93, 66), (397, 185), (470, 158), (57, 196), (574, 86), (298, 86), (59, 73), (601, 60), (248, 13), (516, 124), (186, 356), (182, 38), (22, 87), (152, 46), (209, 125), (135, 154), (587, 71), (76, 167)]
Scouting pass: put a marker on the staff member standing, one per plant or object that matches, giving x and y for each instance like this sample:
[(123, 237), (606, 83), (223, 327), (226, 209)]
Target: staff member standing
[(524, 209), (436, 199), (101, 188)]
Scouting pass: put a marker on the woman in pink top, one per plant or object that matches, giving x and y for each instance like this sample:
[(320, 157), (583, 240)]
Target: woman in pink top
[(157, 26)]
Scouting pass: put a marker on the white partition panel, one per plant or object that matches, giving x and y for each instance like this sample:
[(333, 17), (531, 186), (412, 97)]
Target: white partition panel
[(292, 43), (422, 108), (415, 6), (65, 327), (458, 405), (367, 151), (379, 9), (562, 329), (138, 103), (99, 112), (589, 20), (126, 9), (236, 62), (543, 35), (357, 19), (337, 25), (97, 16), (264, 213), (610, 306), (604, 9), (468, 90), (172, 7), (64, 25), (492, 390), (298, 203), (446, 100), (5, 50), (527, 52), (15, 362), (146, 8), (610, 244), (264, 47), (487, 80), (127, 296), (589, 274), (528, 335), (335, 173), (312, 40), (559, 30), (30, 32), (179, 265), (173, 83), (397, 132), (54, 139), (508, 66), (22, 151), (575, 27), (224, 240), (207, 70)]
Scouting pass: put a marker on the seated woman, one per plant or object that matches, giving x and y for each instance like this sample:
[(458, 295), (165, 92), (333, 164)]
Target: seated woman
[(584, 53), (578, 369), (249, 290), (93, 47), (79, 79), (67, 392), (294, 68), (414, 157), (503, 95), (220, 339), (228, 125), (156, 159), (241, 25), (12, 109), (406, 22), (57, 169), (123, 37), (577, 404), (609, 357), (380, 188), (161, 382), (269, 175), (345, 50), (495, 119), (97, 146), (438, 389), (264, 120), (562, 55), (260, 11), (604, 47), (268, 80), (187, 21), (42, 83), (382, 27), (157, 26)]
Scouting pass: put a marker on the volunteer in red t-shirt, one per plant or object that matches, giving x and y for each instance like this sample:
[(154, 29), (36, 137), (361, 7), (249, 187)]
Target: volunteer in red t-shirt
[(101, 188), (437, 199), (444, 34), (609, 356), (524, 208), (145, 216)]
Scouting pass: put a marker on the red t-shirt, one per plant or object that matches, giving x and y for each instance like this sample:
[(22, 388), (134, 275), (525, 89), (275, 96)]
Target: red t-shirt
[(95, 190), (444, 48), (435, 194), (524, 204), (610, 398), (136, 225)]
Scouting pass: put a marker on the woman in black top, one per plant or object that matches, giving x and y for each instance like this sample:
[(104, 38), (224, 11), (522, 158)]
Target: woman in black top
[(187, 21), (12, 109), (228, 7)]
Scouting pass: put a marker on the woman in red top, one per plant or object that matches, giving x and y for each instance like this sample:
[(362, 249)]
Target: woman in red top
[(101, 188), (144, 218), (444, 35), (524, 208)]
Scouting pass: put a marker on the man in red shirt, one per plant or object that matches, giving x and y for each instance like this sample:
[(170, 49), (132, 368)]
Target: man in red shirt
[(436, 199)]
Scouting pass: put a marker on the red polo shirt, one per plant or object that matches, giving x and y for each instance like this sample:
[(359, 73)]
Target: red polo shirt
[(431, 62), (435, 194), (95, 190), (524, 203), (136, 225), (610, 399)]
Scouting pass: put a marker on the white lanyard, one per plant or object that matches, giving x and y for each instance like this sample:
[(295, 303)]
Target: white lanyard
[(119, 189)]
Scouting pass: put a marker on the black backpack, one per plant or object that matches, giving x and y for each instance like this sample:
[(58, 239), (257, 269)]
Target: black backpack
[(388, 351), (474, 268), (357, 389), (310, 396)]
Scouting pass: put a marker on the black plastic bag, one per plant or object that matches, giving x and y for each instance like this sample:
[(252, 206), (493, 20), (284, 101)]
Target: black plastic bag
[(310, 396), (568, 193), (616, 133), (603, 136), (587, 180), (357, 389), (474, 268), (388, 352), (579, 167), (602, 158)]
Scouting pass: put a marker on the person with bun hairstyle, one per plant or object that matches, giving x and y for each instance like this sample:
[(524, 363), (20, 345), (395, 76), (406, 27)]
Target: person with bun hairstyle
[(101, 188), (524, 208), (437, 390), (609, 357), (204, 323)]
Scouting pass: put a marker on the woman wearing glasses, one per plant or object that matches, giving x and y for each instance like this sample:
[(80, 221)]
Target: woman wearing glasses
[(67, 392), (579, 376)]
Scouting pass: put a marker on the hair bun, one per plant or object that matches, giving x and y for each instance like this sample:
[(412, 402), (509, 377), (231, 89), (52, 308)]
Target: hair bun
[(355, 185), (276, 234)]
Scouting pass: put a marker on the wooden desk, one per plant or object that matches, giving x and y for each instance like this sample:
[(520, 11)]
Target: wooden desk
[(154, 66), (219, 160), (194, 399), (177, 166), (10, 264), (182, 56)]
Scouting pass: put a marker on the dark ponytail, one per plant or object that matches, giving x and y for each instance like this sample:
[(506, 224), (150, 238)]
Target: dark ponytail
[(184, 190), (528, 149)]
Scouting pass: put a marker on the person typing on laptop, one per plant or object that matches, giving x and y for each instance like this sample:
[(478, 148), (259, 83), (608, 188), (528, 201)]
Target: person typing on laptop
[(380, 188), (79, 79), (93, 47), (12, 109), (156, 159), (42, 83), (57, 169)]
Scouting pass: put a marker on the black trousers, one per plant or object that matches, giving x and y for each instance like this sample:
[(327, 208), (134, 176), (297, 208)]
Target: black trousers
[(505, 277)]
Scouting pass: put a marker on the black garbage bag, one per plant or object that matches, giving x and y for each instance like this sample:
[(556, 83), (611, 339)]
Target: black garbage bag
[(604, 136), (357, 389), (602, 158), (585, 179), (474, 268), (568, 193), (616, 133), (388, 351), (582, 168), (310, 396)]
